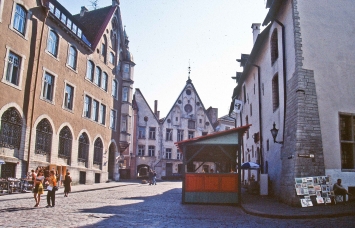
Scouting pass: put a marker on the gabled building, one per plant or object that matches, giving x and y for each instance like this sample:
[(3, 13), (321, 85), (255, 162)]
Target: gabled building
[(297, 82), (65, 90), (153, 143)]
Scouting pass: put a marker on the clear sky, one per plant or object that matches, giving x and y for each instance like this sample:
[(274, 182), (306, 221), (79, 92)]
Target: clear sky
[(166, 34)]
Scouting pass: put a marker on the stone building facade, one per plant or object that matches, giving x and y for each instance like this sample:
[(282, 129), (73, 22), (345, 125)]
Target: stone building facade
[(153, 143), (65, 90), (298, 78)]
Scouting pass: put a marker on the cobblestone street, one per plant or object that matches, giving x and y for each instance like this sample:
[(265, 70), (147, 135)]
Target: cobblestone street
[(136, 205)]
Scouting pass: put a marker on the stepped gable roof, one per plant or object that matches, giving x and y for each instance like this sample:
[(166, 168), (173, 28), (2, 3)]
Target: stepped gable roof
[(189, 81), (95, 22), (134, 101)]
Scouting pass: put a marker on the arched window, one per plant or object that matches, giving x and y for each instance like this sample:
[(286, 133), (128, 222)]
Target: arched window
[(65, 143), (98, 76), (72, 58), (114, 88), (44, 137), (274, 47), (11, 126), (90, 70), (275, 93), (52, 43), (104, 48), (83, 150), (20, 19), (98, 151), (104, 81)]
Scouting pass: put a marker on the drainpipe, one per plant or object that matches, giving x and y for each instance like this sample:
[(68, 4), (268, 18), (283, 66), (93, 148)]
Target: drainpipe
[(284, 73), (35, 88)]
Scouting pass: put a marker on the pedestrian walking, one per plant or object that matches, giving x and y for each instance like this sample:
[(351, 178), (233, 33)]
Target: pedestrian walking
[(154, 178), (33, 178), (151, 175), (67, 184), (38, 190), (52, 184)]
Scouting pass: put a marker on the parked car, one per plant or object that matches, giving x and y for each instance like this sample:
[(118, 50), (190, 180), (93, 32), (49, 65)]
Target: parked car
[(174, 176)]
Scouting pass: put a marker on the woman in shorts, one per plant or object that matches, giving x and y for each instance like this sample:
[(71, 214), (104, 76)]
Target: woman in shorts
[(38, 191)]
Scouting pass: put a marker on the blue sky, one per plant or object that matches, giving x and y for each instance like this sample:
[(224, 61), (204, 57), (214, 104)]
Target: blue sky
[(166, 34)]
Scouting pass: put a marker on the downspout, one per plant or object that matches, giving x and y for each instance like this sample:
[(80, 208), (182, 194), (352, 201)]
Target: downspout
[(35, 88), (260, 121), (284, 73)]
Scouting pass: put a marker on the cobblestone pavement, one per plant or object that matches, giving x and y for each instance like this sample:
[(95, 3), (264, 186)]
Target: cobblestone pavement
[(137, 205)]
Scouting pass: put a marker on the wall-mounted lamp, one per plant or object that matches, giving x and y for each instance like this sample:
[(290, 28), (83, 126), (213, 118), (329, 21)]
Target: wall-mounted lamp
[(306, 155), (274, 132)]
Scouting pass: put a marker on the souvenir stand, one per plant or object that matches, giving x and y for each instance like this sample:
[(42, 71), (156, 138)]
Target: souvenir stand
[(222, 186)]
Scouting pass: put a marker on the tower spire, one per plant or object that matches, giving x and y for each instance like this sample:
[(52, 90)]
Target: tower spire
[(189, 70)]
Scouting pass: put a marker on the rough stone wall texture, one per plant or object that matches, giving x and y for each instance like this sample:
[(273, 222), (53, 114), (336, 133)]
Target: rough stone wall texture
[(302, 133)]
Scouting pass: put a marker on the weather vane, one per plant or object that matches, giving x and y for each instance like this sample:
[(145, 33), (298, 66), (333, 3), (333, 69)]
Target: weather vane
[(189, 68)]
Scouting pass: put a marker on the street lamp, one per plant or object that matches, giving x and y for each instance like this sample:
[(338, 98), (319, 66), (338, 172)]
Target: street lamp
[(274, 132)]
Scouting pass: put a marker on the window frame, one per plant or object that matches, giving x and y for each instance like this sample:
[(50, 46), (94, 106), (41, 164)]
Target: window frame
[(72, 60), (114, 89), (141, 150), (25, 19), (125, 94), (168, 153), (191, 134), (347, 141), (90, 74), (151, 151), (104, 80), (180, 135), (44, 137), (53, 44), (113, 119), (65, 103), (152, 132), (169, 134), (102, 114), (141, 132), (98, 76), (275, 92), (55, 77)]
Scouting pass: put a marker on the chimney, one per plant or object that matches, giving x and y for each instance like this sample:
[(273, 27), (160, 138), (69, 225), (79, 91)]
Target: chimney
[(115, 2), (256, 31), (158, 114), (156, 108), (83, 11)]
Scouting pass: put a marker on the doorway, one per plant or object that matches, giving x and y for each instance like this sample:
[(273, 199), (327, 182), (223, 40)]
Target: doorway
[(169, 169)]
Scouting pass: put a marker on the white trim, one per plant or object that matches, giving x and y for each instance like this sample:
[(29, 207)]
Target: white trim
[(45, 70), (58, 47), (73, 98), (28, 17), (1, 9), (20, 76)]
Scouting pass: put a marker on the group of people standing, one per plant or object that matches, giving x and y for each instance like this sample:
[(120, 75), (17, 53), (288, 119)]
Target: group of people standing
[(42, 177)]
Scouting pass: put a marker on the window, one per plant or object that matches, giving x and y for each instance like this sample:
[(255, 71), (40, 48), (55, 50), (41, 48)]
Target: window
[(124, 124), (102, 114), (20, 19), (251, 109), (169, 134), (347, 141), (72, 57), (151, 151), (114, 88), (52, 43), (48, 87), (267, 145), (87, 106), (95, 110), (83, 150), (125, 94), (11, 129), (13, 69), (275, 93), (178, 155), (98, 151), (113, 119), (274, 47), (90, 71), (104, 81), (191, 134), (141, 132), (244, 94), (44, 137), (141, 150), (152, 133), (125, 71), (180, 135), (112, 58), (104, 48), (168, 153), (68, 97), (65, 143), (247, 122), (98, 76), (191, 124)]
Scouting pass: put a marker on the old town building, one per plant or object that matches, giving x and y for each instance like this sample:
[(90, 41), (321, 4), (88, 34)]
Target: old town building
[(65, 90), (298, 82), (154, 137)]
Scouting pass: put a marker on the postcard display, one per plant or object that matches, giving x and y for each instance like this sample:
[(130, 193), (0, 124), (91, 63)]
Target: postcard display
[(313, 186)]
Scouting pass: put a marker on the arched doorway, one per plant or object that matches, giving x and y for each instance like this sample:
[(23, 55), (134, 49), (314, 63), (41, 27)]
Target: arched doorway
[(112, 161)]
